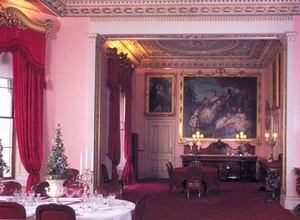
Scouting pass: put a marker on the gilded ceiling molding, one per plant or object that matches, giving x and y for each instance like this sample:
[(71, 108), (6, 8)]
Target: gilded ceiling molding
[(193, 36), (151, 8), (158, 18), (14, 17)]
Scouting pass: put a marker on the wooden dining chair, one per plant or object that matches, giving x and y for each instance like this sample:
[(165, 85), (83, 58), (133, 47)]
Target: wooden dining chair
[(169, 169), (40, 188), (140, 205), (10, 187), (12, 210), (105, 178), (55, 211), (194, 179)]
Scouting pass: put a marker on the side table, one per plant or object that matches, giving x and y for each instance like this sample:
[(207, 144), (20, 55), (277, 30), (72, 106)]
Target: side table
[(271, 173)]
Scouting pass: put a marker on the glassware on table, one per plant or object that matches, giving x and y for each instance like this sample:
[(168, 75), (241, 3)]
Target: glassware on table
[(111, 197)]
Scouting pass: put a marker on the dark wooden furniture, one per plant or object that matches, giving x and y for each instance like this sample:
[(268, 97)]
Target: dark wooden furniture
[(209, 177), (297, 170), (194, 179), (270, 173), (237, 163), (140, 205)]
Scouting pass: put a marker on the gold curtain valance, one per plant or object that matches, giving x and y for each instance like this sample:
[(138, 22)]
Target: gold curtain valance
[(14, 17)]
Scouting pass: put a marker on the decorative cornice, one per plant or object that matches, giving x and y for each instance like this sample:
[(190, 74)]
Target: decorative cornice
[(189, 8), (14, 17)]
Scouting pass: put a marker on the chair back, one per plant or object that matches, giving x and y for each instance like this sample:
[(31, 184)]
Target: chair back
[(10, 187), (72, 177), (169, 170), (40, 188), (171, 165), (104, 174), (55, 211), (194, 179), (74, 191), (12, 210), (140, 206)]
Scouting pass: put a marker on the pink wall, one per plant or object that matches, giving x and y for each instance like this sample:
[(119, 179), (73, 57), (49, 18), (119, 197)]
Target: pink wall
[(66, 97)]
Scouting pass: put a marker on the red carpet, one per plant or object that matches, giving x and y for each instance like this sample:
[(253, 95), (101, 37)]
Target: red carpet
[(237, 200)]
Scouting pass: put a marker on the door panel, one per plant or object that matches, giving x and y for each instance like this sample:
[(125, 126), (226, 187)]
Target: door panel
[(159, 147)]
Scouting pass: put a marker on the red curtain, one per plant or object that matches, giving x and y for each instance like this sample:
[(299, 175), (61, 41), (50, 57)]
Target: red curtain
[(128, 172), (28, 48), (113, 83), (120, 77)]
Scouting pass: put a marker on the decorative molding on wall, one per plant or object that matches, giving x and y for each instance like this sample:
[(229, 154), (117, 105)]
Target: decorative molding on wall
[(190, 8)]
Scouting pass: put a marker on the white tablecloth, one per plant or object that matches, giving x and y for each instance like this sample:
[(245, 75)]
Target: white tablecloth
[(120, 210)]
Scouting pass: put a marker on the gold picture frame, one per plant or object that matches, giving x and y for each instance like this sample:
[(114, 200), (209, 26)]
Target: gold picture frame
[(160, 94), (275, 83), (197, 88)]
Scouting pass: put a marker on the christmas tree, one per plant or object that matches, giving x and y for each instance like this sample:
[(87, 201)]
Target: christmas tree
[(57, 162), (3, 166)]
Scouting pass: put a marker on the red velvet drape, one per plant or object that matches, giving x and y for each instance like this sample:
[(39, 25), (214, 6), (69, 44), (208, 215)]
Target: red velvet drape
[(28, 48), (120, 77), (128, 172), (113, 83)]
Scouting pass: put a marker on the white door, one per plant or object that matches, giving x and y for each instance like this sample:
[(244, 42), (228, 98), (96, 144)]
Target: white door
[(159, 147)]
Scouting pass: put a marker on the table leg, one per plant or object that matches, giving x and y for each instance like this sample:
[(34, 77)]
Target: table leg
[(274, 182)]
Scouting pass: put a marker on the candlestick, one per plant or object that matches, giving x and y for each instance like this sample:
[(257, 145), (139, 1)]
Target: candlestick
[(86, 158), (241, 138), (271, 144), (80, 163), (92, 160)]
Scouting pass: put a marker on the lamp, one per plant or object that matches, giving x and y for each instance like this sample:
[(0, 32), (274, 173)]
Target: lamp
[(198, 136), (271, 143), (241, 138)]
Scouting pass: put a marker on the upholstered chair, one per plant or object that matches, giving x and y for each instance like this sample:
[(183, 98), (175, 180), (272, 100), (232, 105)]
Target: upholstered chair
[(55, 211), (140, 205), (10, 187)]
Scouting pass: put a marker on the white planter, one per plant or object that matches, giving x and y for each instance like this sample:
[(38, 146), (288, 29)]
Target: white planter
[(55, 189)]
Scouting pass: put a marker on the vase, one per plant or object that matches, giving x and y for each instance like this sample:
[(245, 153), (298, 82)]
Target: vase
[(55, 189)]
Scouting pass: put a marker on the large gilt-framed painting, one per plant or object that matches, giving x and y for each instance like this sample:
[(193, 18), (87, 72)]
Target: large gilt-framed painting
[(160, 94), (219, 105)]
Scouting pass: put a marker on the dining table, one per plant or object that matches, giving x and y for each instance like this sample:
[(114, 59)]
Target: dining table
[(118, 210), (209, 177)]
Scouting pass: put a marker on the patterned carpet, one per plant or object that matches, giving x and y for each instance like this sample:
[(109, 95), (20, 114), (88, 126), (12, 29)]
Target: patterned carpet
[(237, 200)]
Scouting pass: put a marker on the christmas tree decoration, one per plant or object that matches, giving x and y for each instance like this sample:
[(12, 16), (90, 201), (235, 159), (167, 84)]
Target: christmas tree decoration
[(4, 168), (57, 162)]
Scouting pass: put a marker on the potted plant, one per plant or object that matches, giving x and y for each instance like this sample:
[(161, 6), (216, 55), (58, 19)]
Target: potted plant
[(57, 165), (4, 168)]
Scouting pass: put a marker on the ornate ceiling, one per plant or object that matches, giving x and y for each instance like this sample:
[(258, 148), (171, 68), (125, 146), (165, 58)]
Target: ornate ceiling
[(165, 51)]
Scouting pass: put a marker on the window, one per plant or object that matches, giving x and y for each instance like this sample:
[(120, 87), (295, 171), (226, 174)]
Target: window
[(6, 112)]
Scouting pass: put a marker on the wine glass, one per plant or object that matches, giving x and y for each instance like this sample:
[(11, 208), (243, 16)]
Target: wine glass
[(111, 197)]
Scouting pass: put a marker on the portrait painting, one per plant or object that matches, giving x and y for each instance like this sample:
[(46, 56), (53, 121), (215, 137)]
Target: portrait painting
[(160, 94), (219, 106)]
